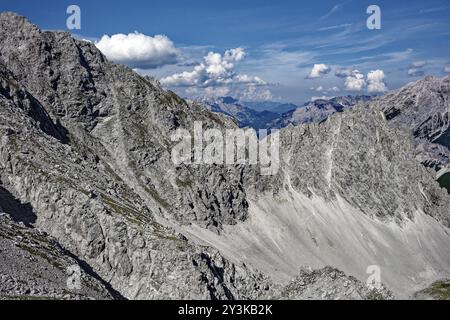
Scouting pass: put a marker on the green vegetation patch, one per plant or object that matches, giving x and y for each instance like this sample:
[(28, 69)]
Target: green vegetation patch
[(35, 252), (439, 290), (131, 214), (183, 183), (155, 195), (444, 181)]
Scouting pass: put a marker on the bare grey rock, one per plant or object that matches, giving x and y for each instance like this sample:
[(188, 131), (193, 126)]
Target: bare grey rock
[(97, 178), (423, 108), (34, 266), (125, 114), (317, 110), (358, 156), (349, 194), (331, 284)]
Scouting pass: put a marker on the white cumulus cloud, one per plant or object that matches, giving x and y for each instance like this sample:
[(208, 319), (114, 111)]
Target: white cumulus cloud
[(376, 81), (318, 71), (209, 92), (235, 54), (447, 69), (216, 75), (254, 80), (138, 50), (319, 88), (355, 81), (215, 70), (343, 72)]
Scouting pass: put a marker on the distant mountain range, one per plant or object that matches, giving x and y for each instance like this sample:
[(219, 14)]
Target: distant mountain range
[(269, 114), (272, 106), (317, 110), (246, 114)]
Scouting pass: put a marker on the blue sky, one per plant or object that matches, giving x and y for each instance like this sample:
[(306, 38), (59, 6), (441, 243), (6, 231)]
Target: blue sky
[(263, 49)]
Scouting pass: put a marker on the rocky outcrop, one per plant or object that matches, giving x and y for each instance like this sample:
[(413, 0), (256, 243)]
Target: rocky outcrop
[(316, 111), (331, 284), (357, 156), (95, 215), (423, 108), (34, 266), (349, 194), (439, 290), (128, 117), (86, 143)]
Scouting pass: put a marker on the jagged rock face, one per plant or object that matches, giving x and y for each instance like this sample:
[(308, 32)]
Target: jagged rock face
[(317, 110), (102, 103), (349, 193), (357, 156), (33, 265), (86, 143), (423, 108), (440, 290), (95, 215), (331, 284)]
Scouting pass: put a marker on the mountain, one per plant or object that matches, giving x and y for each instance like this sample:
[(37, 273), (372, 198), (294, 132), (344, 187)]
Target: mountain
[(86, 147), (276, 107), (280, 115), (257, 116), (349, 194), (317, 110), (85, 161), (423, 108), (245, 116), (34, 265)]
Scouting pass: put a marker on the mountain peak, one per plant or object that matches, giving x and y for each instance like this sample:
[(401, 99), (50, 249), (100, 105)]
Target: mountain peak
[(12, 23), (228, 100), (422, 107)]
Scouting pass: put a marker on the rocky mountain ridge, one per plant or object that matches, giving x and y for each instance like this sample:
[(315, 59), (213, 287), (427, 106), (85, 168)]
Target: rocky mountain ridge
[(423, 108), (90, 175), (244, 116), (317, 110), (272, 106)]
